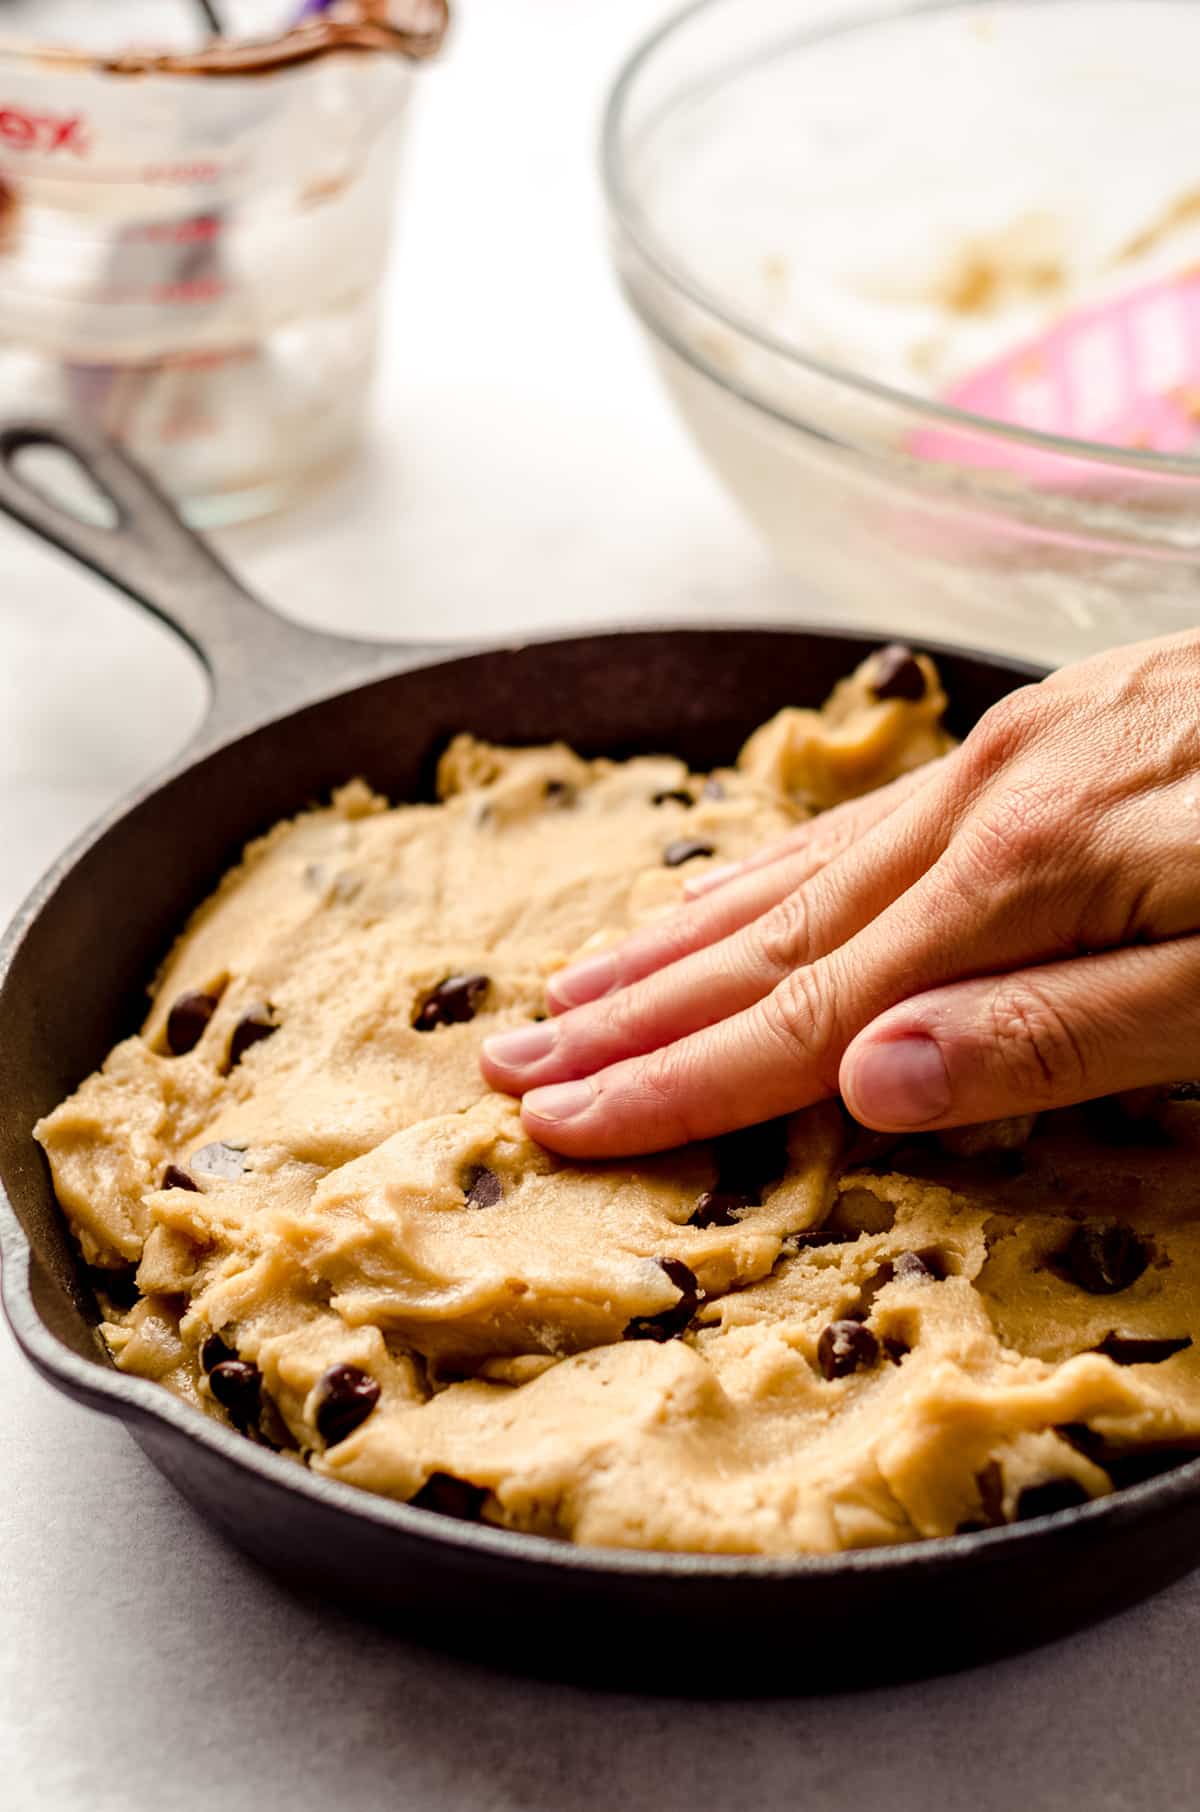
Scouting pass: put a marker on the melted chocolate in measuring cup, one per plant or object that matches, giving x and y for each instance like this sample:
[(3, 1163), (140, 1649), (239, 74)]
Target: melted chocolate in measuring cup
[(411, 28)]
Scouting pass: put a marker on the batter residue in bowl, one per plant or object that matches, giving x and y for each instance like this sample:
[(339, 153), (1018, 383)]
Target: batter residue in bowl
[(308, 1216)]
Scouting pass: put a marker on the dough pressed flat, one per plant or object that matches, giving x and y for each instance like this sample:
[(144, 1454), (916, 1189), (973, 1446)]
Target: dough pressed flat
[(306, 1214)]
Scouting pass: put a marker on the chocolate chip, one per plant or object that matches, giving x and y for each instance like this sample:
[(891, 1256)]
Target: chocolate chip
[(345, 1397), (1104, 1258), (912, 1267), (820, 1236), (174, 1178), (1055, 1494), (712, 788), (897, 673), (896, 1350), (449, 1496), (186, 1021), (1126, 1350), (685, 849), (452, 1003), (482, 1187), (219, 1160), (118, 1285), (256, 1023), (671, 1321), (846, 1346), (215, 1351), (717, 1208), (751, 1159), (237, 1387), (673, 796)]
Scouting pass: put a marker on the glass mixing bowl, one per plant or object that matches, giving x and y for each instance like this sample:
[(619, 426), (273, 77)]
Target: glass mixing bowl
[(829, 213)]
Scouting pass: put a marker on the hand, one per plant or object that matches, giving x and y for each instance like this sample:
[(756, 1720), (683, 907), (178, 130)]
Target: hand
[(1012, 928)]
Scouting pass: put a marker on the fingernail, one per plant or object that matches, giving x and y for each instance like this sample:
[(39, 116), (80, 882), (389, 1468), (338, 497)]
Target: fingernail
[(585, 981), (902, 1082), (528, 1044), (565, 1101), (712, 877)]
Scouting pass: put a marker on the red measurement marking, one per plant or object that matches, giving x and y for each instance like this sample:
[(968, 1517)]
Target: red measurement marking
[(207, 361), (193, 289), (179, 175), (195, 425), (46, 132), (181, 232), (198, 289)]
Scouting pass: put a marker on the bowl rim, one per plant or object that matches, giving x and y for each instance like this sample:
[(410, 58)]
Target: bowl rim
[(143, 1402), (628, 215)]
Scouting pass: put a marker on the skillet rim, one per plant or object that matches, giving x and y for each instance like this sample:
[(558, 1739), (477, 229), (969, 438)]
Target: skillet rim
[(132, 1399)]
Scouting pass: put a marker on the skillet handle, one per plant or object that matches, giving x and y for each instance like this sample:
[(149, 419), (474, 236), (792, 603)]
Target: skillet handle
[(256, 661)]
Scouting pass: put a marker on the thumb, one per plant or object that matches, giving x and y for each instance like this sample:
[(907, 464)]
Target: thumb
[(1036, 1039)]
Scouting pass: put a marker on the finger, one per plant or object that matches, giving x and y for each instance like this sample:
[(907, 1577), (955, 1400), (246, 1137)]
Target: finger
[(778, 1054), (1031, 1040), (675, 1056), (826, 835), (756, 884), (670, 939), (707, 921), (729, 976), (747, 1068), (904, 911)]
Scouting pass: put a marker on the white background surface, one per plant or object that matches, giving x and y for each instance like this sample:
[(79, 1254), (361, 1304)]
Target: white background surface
[(523, 471)]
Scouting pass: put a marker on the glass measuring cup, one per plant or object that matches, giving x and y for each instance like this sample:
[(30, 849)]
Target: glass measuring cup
[(194, 232)]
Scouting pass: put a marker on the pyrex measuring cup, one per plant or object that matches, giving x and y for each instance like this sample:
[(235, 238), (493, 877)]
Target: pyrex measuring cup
[(194, 231)]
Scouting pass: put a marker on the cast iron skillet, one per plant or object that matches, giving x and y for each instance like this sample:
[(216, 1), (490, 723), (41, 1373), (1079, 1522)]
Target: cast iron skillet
[(292, 714)]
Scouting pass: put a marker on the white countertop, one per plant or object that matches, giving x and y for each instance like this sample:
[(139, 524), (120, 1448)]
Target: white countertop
[(523, 472)]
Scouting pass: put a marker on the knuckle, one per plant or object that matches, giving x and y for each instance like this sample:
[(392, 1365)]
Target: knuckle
[(664, 943), (781, 936), (1039, 1054), (1011, 835), (616, 1022), (833, 839), (1005, 728), (797, 1018), (659, 1085)]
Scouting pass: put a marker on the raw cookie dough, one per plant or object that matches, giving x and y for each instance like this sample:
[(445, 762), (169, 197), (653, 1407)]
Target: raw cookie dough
[(306, 1214)]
